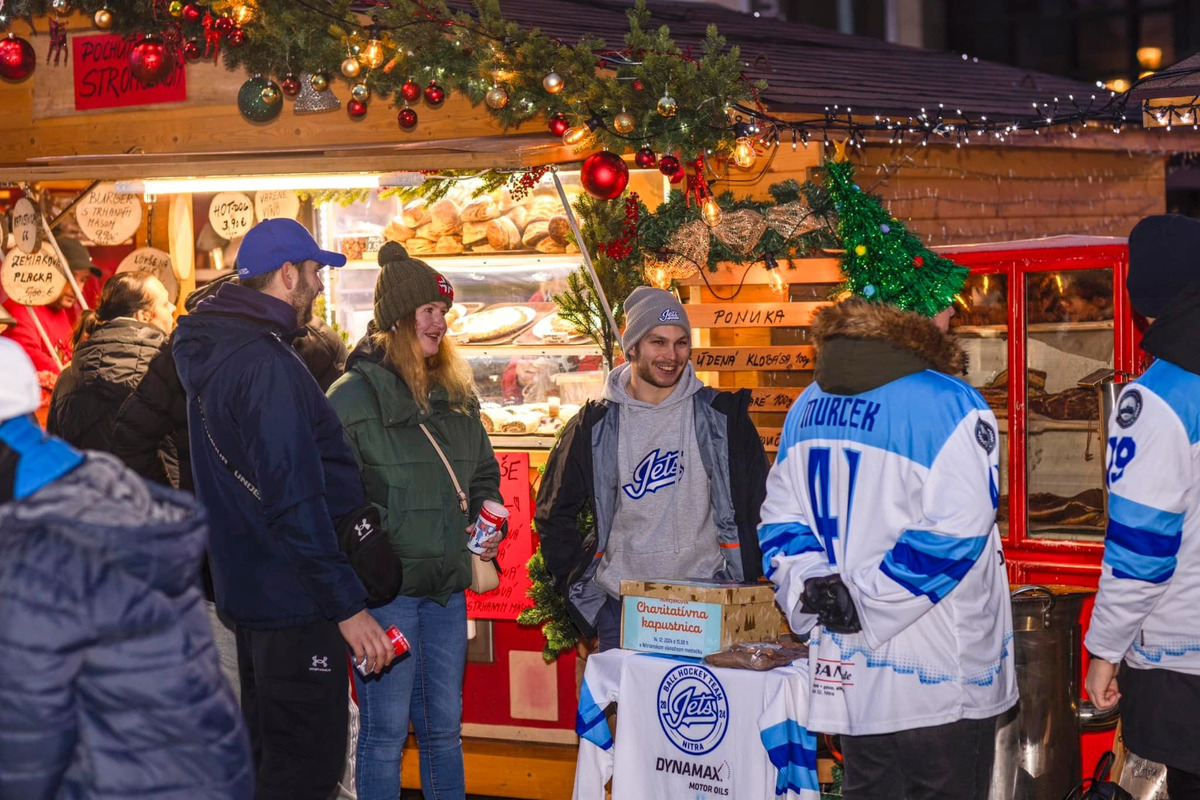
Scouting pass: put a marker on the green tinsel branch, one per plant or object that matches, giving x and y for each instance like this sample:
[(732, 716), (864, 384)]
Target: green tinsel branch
[(549, 610)]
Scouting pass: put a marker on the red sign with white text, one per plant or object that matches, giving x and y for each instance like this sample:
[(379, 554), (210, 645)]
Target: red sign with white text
[(100, 64), (508, 600)]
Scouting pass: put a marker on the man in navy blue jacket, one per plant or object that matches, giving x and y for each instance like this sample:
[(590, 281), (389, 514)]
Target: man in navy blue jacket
[(270, 463)]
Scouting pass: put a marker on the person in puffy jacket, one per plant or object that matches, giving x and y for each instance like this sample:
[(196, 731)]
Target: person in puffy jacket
[(109, 683), (405, 376), (113, 345)]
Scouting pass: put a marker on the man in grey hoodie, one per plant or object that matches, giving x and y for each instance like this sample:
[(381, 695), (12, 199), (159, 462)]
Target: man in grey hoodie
[(673, 471)]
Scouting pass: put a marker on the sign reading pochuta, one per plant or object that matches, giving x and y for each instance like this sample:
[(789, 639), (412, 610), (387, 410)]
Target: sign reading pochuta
[(100, 64)]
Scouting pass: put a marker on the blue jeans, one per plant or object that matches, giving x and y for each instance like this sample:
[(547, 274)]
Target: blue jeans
[(424, 685)]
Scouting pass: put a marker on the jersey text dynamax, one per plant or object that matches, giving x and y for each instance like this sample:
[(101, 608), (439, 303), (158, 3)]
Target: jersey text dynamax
[(896, 489), (1150, 584)]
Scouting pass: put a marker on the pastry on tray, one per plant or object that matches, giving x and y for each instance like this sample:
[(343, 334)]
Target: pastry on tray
[(492, 323)]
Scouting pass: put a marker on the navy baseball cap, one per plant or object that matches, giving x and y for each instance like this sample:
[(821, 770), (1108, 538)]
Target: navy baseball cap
[(273, 241)]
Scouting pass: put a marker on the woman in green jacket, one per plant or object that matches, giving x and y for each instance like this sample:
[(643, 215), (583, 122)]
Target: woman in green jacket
[(403, 375)]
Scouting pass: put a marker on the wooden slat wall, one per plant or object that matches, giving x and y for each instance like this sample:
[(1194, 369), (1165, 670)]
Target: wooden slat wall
[(987, 194)]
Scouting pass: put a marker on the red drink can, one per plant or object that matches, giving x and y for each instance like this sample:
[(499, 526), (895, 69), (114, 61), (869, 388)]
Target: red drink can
[(399, 647)]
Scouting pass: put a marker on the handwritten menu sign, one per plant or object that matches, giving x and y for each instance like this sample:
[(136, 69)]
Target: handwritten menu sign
[(274, 204), (33, 279), (231, 214), (106, 217), (100, 66), (509, 600), (741, 358), (157, 263), (26, 226)]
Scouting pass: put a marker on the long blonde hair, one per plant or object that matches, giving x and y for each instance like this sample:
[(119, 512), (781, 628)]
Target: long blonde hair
[(447, 368)]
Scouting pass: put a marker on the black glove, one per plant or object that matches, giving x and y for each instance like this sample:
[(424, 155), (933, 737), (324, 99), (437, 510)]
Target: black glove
[(830, 600)]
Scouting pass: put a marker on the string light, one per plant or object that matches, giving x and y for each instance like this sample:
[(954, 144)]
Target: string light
[(710, 212)]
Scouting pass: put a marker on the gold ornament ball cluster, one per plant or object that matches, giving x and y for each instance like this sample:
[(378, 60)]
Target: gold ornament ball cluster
[(351, 68), (360, 92), (496, 98), (103, 19), (667, 106), (553, 82), (319, 82), (623, 123)]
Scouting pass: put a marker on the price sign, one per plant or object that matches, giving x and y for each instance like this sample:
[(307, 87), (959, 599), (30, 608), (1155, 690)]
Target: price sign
[(157, 263), (231, 214), (271, 205), (106, 217), (509, 600), (33, 279), (26, 226)]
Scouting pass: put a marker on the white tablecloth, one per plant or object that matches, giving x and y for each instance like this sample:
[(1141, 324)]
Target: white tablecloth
[(689, 730)]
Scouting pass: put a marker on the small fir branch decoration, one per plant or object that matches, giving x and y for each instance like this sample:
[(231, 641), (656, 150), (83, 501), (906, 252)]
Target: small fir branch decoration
[(549, 610)]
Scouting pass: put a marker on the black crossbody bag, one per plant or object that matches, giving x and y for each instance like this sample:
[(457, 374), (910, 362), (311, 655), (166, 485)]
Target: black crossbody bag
[(360, 536)]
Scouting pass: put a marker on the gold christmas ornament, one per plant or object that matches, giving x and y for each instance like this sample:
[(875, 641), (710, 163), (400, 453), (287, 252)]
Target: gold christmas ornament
[(351, 68), (319, 82), (667, 105), (175, 8), (372, 54), (743, 152), (741, 230), (103, 19), (792, 219), (623, 123), (60, 6), (496, 97), (242, 13), (553, 82), (270, 95), (360, 92), (690, 243)]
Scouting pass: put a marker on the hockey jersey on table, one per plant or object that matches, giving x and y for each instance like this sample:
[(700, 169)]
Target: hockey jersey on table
[(688, 731), (896, 489), (1145, 611)]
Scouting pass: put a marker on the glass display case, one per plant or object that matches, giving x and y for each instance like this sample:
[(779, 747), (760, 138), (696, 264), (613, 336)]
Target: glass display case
[(507, 254)]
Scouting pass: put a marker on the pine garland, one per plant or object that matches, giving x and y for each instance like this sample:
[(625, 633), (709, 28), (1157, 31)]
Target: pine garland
[(473, 52), (549, 610)]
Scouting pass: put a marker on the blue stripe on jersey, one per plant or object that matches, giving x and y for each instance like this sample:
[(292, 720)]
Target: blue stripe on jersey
[(911, 416), (1180, 390), (590, 722), (793, 751), (1140, 555), (931, 564), (786, 539), (1137, 515)]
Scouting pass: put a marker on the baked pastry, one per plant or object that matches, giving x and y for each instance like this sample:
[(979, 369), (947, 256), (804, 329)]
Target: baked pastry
[(548, 425), (427, 231), (397, 231), (492, 323), (419, 247), (457, 311), (474, 233), (449, 245), (414, 214), (445, 217), (519, 217), (560, 228), (502, 234), (522, 422), (548, 245), (480, 210), (535, 232)]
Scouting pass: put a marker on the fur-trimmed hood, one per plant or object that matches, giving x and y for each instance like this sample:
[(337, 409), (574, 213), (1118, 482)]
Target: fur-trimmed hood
[(861, 345)]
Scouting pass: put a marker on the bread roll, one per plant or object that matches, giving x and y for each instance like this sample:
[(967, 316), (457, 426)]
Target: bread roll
[(428, 232), (480, 210), (545, 208), (397, 231), (549, 246), (419, 247), (449, 245), (502, 234), (414, 214), (445, 217), (504, 200), (535, 232), (519, 217), (560, 228), (474, 233), (571, 247), (483, 248)]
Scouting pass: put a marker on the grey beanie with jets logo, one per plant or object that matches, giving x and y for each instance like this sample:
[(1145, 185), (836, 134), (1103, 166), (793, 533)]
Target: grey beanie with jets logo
[(645, 309)]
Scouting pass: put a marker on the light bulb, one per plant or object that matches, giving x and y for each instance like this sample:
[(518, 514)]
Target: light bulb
[(777, 283), (372, 55), (242, 13), (710, 212), (576, 135), (743, 152), (660, 279)]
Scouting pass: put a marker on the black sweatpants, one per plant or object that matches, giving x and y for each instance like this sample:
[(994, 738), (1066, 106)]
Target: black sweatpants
[(294, 697), (945, 762)]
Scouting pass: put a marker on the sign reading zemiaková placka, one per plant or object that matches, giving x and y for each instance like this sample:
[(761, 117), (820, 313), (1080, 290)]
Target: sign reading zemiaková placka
[(694, 618)]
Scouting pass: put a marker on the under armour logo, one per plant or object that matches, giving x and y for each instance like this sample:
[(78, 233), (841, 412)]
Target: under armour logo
[(319, 664), (669, 315), (363, 529)]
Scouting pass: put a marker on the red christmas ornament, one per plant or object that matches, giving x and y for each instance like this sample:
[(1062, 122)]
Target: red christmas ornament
[(356, 109), (150, 61), (434, 94), (237, 37), (290, 85), (918, 261), (407, 119), (223, 25), (604, 175), (17, 58), (411, 91), (669, 165), (191, 13), (191, 50), (677, 177), (645, 158), (638, 85), (558, 124)]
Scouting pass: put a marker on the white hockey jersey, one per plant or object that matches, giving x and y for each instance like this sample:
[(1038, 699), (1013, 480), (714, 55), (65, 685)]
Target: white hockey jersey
[(896, 489), (1146, 610)]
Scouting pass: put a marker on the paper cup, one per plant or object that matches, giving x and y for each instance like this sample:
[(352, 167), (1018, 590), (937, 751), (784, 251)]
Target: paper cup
[(487, 527)]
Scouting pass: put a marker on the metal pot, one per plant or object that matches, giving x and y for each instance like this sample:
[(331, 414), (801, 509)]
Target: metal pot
[(1037, 745)]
